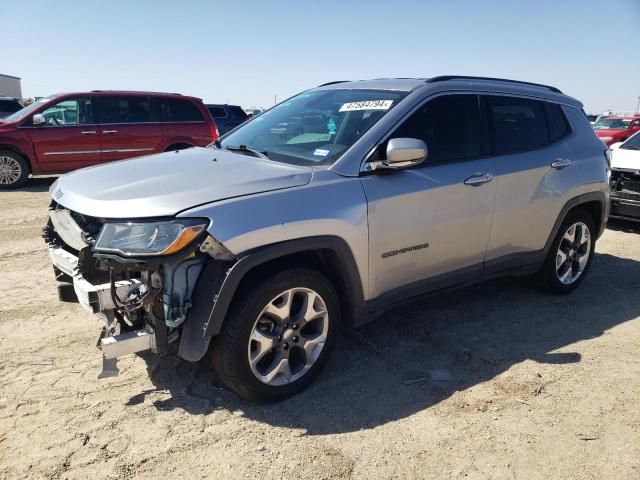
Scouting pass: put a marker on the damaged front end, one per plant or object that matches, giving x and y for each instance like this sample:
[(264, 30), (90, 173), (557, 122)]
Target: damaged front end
[(138, 277), (625, 194)]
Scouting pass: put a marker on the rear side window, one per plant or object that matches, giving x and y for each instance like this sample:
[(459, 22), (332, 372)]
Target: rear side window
[(558, 124), (125, 109), (217, 112), (518, 124), (237, 112), (178, 110), (452, 127)]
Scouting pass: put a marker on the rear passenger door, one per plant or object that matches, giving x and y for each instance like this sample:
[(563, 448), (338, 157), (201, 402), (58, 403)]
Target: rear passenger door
[(429, 226), (533, 167), (126, 127)]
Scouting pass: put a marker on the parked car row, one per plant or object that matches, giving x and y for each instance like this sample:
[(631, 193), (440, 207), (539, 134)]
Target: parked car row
[(616, 128), (324, 211), (68, 131)]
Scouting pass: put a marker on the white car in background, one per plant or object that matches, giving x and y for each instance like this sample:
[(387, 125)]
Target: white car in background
[(625, 179)]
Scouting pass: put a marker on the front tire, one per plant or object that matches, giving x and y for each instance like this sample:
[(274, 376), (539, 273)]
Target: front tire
[(278, 334), (569, 258), (14, 170)]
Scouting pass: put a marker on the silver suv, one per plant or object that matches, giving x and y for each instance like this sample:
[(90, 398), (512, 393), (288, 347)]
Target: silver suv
[(325, 211)]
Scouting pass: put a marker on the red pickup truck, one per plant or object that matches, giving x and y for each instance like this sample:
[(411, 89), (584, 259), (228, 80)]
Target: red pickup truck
[(73, 130)]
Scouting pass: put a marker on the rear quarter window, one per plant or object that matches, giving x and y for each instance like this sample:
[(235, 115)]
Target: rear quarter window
[(179, 110), (558, 124), (217, 112), (237, 112)]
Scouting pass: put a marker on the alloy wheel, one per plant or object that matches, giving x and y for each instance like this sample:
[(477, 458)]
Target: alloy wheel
[(288, 336), (10, 170), (573, 253)]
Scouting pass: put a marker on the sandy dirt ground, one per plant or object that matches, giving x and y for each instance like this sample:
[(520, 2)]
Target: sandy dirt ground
[(540, 387)]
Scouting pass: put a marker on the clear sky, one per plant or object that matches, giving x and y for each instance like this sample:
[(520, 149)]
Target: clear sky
[(245, 52)]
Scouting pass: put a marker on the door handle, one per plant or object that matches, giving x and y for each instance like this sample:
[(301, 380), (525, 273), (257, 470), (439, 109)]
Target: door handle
[(478, 179), (109, 131), (561, 163), (88, 132)]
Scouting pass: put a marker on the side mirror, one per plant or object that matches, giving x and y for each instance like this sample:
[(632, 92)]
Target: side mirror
[(38, 119), (405, 152), (615, 146)]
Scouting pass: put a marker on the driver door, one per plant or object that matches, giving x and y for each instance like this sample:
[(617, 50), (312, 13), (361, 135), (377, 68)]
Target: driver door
[(69, 137)]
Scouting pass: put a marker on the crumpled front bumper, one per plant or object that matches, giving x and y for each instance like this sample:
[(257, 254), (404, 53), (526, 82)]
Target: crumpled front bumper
[(98, 299), (625, 195)]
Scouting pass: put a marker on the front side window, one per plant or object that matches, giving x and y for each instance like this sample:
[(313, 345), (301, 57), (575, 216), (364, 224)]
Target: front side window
[(450, 125), (71, 111), (315, 127), (612, 123), (124, 109), (519, 124)]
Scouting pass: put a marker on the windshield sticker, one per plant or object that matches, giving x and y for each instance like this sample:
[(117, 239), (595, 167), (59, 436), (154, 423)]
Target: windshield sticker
[(367, 105), (320, 152), (331, 126)]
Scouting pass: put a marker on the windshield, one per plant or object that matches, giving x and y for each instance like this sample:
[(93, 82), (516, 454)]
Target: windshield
[(315, 127), (633, 143), (611, 123), (20, 114)]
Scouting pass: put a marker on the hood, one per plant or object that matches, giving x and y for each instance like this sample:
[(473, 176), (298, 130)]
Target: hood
[(165, 184), (625, 159)]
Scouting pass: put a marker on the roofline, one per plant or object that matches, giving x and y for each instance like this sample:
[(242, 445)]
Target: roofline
[(444, 78), (9, 76)]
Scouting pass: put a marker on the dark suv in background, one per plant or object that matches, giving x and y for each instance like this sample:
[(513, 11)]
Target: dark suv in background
[(68, 131), (9, 105), (227, 117)]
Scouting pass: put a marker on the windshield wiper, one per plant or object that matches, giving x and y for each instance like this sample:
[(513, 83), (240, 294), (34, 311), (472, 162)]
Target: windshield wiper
[(243, 148)]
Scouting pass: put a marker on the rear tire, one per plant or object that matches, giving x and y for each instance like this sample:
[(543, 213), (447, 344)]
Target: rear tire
[(278, 334), (14, 170), (569, 258)]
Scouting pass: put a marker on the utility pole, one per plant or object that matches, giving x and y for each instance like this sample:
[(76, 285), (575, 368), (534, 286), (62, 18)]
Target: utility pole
[(275, 98)]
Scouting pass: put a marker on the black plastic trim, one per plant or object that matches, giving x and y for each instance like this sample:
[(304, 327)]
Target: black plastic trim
[(208, 323)]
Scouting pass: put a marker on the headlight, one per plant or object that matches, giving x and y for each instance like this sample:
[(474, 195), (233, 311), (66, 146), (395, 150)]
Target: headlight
[(149, 238)]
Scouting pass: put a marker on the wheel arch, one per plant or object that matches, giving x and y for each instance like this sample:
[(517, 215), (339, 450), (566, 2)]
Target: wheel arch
[(15, 149), (595, 203), (178, 146), (329, 254)]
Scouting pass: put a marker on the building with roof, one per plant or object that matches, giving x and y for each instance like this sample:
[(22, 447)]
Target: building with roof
[(10, 86)]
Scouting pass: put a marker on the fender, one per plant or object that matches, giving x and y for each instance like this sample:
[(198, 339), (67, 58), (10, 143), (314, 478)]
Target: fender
[(209, 309)]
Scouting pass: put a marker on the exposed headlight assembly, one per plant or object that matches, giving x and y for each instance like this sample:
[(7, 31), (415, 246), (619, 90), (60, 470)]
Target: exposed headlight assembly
[(133, 239)]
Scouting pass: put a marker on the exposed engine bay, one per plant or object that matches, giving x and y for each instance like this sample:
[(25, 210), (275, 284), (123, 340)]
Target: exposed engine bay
[(625, 194), (143, 302)]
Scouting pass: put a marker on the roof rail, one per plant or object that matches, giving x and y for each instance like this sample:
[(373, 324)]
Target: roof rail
[(134, 91), (444, 78), (333, 83)]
